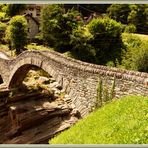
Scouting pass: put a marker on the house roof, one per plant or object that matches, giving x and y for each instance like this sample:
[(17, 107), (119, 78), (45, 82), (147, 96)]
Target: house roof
[(34, 6)]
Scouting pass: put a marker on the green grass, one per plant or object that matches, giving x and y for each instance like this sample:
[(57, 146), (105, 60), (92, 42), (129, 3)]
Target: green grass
[(124, 121), (142, 36), (29, 47), (33, 46)]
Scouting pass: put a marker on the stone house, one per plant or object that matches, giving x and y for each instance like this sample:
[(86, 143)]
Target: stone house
[(33, 26), (33, 10), (32, 15)]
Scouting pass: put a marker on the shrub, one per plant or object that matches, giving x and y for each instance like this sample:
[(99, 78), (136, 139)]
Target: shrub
[(130, 28), (2, 16), (140, 58), (136, 55)]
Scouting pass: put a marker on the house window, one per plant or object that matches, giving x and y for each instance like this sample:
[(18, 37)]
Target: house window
[(38, 14), (31, 9)]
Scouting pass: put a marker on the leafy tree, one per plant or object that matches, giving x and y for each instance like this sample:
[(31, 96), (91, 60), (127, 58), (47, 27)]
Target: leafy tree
[(106, 40), (119, 12), (57, 26), (136, 14), (139, 17), (3, 7), (87, 9), (136, 54), (2, 16), (82, 49), (16, 33), (140, 58), (2, 12), (2, 31), (14, 9)]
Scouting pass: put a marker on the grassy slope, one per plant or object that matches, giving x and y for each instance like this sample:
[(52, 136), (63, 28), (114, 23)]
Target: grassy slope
[(141, 36), (124, 121)]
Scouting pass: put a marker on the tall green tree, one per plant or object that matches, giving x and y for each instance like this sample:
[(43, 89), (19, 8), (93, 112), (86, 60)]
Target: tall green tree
[(82, 49), (119, 12), (139, 17), (14, 9), (106, 40), (136, 14), (16, 33), (136, 55), (57, 26), (2, 31), (87, 9)]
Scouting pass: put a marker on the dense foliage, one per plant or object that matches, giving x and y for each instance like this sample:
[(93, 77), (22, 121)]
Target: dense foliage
[(136, 54), (123, 121), (119, 12), (106, 40), (130, 28), (57, 26), (136, 14), (2, 31), (88, 9), (16, 33), (14, 9), (82, 49)]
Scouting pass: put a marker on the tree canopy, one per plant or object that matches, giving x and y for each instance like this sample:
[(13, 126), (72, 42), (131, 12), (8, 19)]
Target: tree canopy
[(136, 14), (57, 26), (16, 33), (14, 9)]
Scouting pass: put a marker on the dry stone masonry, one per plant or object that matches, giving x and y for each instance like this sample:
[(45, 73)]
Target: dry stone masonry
[(78, 79)]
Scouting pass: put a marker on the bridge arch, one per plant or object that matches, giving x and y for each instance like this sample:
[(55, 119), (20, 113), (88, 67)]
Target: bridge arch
[(1, 80), (22, 67)]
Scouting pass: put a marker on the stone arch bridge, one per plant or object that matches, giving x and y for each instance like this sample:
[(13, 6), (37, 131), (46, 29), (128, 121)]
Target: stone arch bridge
[(78, 79)]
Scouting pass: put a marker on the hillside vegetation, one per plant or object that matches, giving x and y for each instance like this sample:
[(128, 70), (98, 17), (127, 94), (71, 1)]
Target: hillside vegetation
[(123, 121), (135, 56)]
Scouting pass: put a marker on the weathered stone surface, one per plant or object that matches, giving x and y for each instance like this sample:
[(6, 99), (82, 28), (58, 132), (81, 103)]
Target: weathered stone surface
[(42, 79), (32, 118)]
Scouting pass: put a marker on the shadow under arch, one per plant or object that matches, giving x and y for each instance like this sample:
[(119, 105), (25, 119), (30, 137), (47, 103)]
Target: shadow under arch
[(1, 79), (21, 73)]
